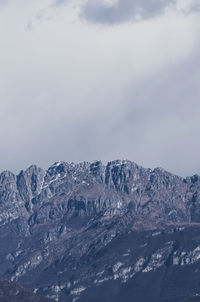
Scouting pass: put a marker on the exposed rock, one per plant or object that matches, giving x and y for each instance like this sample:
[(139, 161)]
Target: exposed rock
[(89, 232)]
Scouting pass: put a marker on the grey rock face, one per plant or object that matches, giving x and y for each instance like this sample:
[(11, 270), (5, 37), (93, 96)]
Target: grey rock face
[(29, 184), (88, 189), (78, 229), (11, 205)]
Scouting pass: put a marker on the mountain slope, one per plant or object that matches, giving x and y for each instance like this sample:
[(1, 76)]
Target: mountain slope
[(10, 292), (88, 231)]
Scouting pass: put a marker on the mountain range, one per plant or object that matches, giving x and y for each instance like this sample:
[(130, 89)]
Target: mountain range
[(95, 232)]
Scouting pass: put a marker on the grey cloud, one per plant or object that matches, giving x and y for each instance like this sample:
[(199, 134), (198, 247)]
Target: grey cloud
[(128, 10), (158, 127), (87, 93), (120, 11), (123, 10)]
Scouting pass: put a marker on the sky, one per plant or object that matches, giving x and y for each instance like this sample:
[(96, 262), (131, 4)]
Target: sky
[(85, 80)]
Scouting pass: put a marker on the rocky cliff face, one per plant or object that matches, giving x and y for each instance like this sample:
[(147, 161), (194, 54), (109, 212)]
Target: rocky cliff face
[(80, 231)]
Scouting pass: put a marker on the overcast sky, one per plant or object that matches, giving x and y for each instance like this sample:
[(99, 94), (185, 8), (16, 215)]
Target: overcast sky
[(100, 79)]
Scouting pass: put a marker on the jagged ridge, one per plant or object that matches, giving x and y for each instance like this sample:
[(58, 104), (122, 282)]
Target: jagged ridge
[(92, 188)]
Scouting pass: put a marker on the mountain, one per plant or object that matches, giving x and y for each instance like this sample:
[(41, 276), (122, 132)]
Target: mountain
[(94, 232)]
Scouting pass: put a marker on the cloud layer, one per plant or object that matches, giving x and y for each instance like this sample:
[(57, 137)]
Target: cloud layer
[(75, 90), (120, 11), (123, 10)]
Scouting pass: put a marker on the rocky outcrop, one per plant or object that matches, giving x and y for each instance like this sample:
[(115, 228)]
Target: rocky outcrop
[(29, 184)]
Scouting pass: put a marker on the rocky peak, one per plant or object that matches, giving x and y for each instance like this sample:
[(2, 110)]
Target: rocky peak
[(29, 182), (97, 169), (7, 180), (122, 175)]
